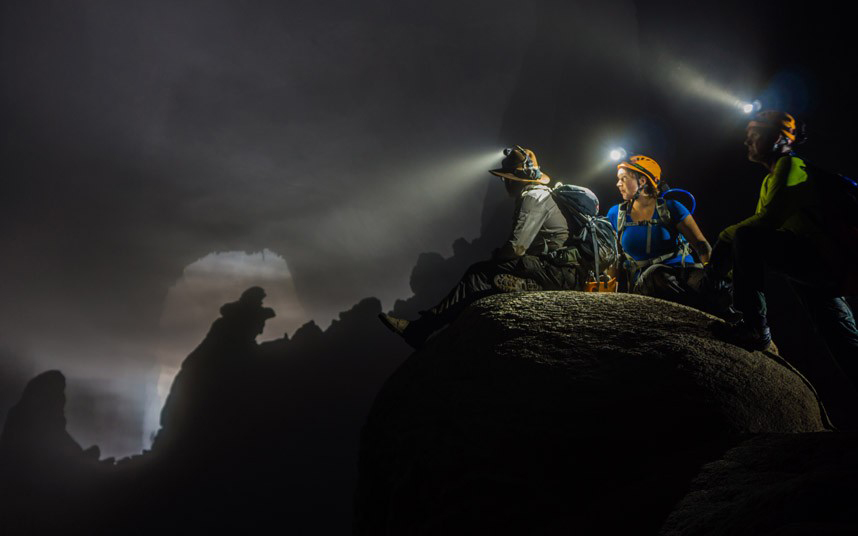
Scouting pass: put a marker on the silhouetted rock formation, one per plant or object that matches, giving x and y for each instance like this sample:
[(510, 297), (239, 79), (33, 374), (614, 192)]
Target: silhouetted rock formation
[(775, 484), (199, 408), (45, 475), (254, 434), (543, 413), (35, 431)]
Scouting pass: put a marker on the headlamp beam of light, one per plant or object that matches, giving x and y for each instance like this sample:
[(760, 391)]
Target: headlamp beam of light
[(696, 83), (598, 170)]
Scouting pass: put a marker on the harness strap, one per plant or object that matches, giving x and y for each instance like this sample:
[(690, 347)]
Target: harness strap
[(646, 263), (649, 238), (681, 246), (634, 266)]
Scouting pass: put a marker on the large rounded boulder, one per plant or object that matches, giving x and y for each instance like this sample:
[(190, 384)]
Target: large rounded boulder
[(564, 412)]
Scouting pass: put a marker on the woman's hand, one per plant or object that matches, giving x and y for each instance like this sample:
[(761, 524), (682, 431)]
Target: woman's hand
[(689, 229)]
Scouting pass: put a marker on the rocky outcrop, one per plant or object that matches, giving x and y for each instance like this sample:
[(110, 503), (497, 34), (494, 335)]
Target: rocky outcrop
[(46, 477), (558, 412), (775, 484), (200, 410), (35, 432), (253, 436), (260, 435)]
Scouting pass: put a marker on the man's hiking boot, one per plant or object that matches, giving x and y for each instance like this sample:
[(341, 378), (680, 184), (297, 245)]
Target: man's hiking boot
[(511, 283), (415, 332), (727, 314), (717, 299), (396, 325), (746, 336)]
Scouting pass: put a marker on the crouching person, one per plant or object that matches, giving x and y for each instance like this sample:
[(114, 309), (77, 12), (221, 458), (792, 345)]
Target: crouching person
[(800, 230), (529, 260)]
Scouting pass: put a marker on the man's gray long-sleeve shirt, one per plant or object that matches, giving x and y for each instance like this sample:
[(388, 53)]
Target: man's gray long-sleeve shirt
[(538, 224)]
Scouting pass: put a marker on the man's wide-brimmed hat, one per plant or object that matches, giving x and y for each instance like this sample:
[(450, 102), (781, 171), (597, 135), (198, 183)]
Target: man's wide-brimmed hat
[(520, 164)]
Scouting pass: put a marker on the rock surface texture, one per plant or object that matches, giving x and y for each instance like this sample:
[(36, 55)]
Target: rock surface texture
[(775, 484), (558, 412)]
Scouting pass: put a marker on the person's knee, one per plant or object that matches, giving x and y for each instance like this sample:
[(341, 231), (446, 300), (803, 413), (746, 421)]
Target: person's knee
[(764, 242), (481, 267), (649, 281), (695, 278), (833, 317), (749, 237)]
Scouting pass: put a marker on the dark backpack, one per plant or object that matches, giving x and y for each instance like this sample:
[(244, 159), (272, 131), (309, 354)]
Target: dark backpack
[(839, 192), (840, 195), (592, 235)]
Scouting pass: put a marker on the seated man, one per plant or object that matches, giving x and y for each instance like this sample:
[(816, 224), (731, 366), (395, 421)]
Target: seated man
[(524, 262)]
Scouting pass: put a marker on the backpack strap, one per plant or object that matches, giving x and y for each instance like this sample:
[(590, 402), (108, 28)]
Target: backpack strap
[(664, 218), (663, 212), (621, 220)]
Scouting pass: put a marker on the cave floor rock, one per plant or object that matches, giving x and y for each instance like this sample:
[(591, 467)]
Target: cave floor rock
[(559, 412)]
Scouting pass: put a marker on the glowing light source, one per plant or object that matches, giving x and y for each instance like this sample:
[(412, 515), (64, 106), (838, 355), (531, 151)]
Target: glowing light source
[(750, 107), (617, 154)]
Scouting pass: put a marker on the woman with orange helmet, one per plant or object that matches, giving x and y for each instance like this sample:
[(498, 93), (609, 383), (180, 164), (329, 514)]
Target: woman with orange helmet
[(651, 229)]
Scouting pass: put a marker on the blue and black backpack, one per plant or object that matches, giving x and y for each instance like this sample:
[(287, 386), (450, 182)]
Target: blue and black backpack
[(592, 235)]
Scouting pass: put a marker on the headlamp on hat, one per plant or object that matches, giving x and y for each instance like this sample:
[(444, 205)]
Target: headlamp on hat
[(520, 164)]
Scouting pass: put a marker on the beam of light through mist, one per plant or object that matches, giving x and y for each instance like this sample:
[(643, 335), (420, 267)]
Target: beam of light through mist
[(108, 379), (413, 200), (600, 170), (687, 79)]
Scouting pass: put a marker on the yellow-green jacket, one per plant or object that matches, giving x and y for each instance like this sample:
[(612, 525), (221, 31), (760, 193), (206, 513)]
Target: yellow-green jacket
[(789, 201)]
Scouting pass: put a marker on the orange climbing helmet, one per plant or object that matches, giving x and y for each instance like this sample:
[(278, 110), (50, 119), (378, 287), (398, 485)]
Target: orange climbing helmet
[(781, 121), (645, 165), (520, 165)]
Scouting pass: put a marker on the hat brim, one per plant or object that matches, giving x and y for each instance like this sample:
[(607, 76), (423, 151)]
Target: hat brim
[(545, 179)]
